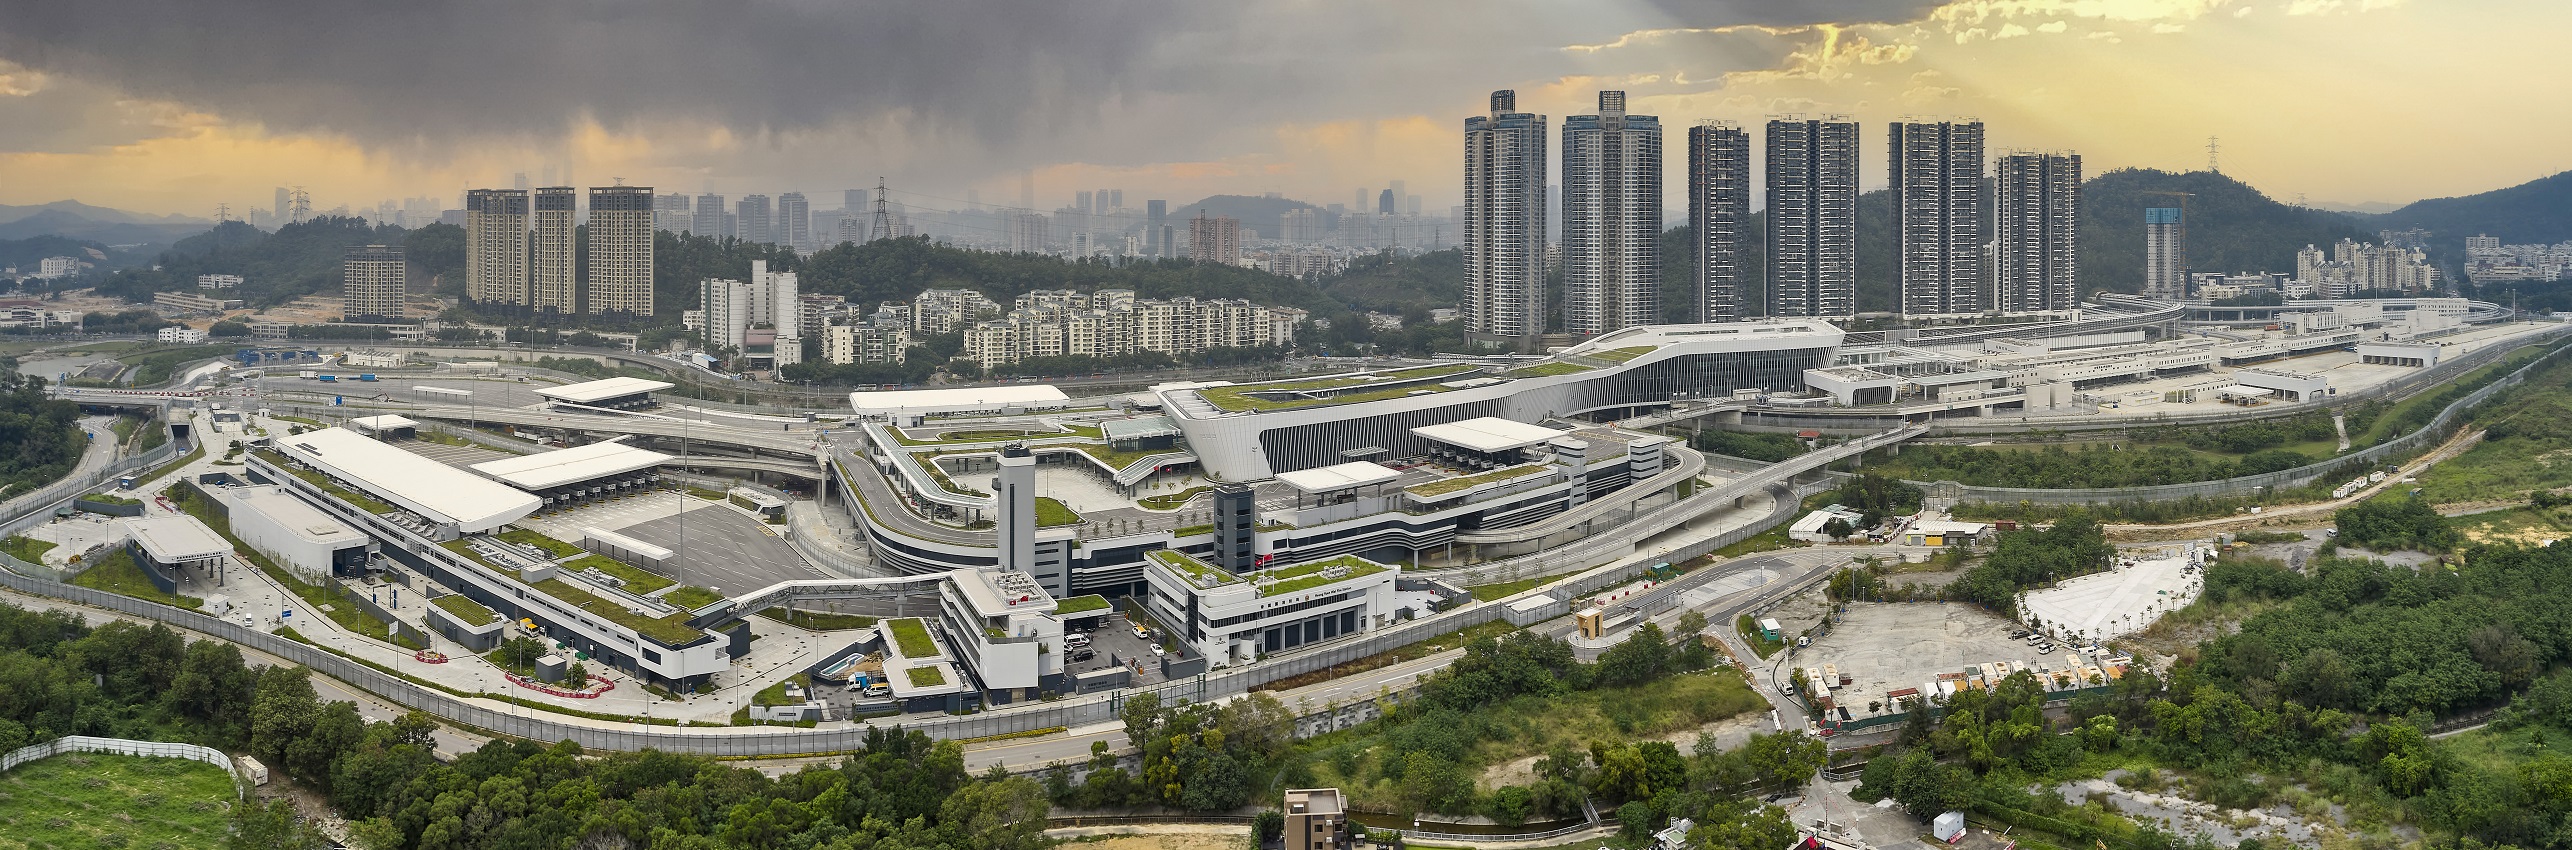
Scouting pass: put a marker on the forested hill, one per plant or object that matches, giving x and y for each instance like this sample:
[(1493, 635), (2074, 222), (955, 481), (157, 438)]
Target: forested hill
[(2232, 227), (2535, 211), (1256, 213), (299, 259)]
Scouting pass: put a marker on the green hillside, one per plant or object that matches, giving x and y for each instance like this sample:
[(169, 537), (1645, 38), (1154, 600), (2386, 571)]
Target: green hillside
[(2231, 226), (298, 260), (1388, 284), (2539, 210)]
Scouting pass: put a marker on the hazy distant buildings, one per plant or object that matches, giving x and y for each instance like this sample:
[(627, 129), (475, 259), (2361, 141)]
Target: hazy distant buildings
[(1812, 233), (1504, 226), (554, 254), (708, 219), (1719, 216), (1214, 240), (2037, 262), (794, 225), (1156, 218), (670, 212), (1611, 219), (751, 216), (2489, 261), (1936, 173), (374, 280), (621, 221), (495, 246), (1028, 233), (2165, 253)]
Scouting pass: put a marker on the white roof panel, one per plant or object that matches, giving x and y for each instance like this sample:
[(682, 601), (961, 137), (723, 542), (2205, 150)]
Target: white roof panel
[(961, 399), (1487, 434), (386, 422), (442, 493), (2236, 389), (292, 514), (1339, 476), (176, 539), (589, 392), (570, 466)]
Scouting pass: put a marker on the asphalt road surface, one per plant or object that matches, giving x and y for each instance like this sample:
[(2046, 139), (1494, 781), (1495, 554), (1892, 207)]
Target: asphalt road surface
[(724, 551)]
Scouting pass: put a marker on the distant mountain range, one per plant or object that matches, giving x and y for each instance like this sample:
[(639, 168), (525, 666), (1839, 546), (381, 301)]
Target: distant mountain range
[(2538, 210), (89, 223)]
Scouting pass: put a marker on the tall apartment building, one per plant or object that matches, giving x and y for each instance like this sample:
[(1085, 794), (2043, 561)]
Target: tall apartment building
[(753, 219), (495, 246), (937, 311), (794, 225), (735, 309), (1504, 226), (1812, 233), (1156, 214), (620, 250), (671, 212), (2357, 267), (708, 218), (1214, 240), (2037, 263), (1028, 233), (2165, 253), (866, 343), (374, 279), (1939, 218), (1301, 226), (553, 257), (1719, 216), (1611, 219)]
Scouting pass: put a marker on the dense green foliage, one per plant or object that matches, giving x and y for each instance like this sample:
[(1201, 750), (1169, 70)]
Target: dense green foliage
[(2395, 522), (1769, 448), (2058, 468), (2073, 545), (1401, 285), (2538, 210), (2232, 227), (297, 260), (901, 790), (1879, 496), (42, 442)]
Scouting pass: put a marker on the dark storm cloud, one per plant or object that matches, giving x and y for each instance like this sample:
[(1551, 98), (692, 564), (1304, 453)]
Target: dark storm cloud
[(433, 71), (1783, 13)]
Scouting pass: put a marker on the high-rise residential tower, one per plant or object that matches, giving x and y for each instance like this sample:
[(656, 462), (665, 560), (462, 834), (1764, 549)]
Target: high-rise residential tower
[(1939, 218), (1812, 233), (495, 246), (752, 214), (1028, 233), (2165, 253), (2037, 259), (794, 227), (1611, 219), (1719, 216), (553, 255), (708, 217), (1504, 225), (373, 282), (620, 251), (1214, 240)]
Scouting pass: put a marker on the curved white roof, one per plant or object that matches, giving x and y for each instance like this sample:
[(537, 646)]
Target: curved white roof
[(1487, 434), (442, 493), (589, 392), (961, 399), (1339, 476), (570, 466)]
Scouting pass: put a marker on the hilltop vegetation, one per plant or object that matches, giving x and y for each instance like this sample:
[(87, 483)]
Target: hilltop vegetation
[(2232, 227), (298, 260)]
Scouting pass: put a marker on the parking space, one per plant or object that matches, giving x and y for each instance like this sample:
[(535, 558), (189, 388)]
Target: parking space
[(1890, 646), (1112, 643), (724, 551)]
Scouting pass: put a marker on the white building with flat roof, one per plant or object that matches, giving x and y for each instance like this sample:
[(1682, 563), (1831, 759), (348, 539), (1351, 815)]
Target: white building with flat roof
[(608, 464), (619, 392), (913, 404), (298, 536), (455, 500), (1234, 619)]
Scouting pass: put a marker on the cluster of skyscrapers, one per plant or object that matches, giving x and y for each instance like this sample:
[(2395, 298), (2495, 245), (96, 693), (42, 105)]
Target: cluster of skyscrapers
[(1971, 238), (521, 250)]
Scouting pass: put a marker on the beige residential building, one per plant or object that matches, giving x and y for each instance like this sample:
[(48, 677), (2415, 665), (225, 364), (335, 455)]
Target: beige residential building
[(846, 344), (1116, 324), (495, 246), (937, 311), (374, 282), (553, 255), (620, 250)]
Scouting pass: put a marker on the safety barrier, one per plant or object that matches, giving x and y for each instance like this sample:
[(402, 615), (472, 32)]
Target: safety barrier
[(123, 747)]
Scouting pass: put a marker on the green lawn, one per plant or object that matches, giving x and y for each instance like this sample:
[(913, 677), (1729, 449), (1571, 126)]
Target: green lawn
[(636, 578), (1766, 541), (524, 537), (776, 694), (118, 574), (1507, 589), (26, 549), (105, 800), (1050, 513), (1540, 370), (1749, 631), (1080, 604), (912, 637), (818, 621), (925, 677), (467, 610), (692, 598)]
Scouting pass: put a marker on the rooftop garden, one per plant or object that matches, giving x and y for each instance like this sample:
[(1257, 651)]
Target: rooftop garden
[(106, 499), (525, 537), (363, 502), (1551, 367), (691, 597), (1621, 355), (1444, 486), (471, 612), (1051, 512), (1080, 604), (912, 637), (979, 436), (637, 581), (672, 630), (926, 677), (1181, 563), (1241, 398), (1308, 576)]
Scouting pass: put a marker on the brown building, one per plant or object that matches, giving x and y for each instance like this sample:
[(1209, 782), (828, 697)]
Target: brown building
[(1315, 820)]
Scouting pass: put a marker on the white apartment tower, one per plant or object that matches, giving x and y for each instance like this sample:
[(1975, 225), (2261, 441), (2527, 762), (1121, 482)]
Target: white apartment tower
[(2037, 261), (551, 286), (1812, 233), (1504, 226), (1936, 172), (1611, 219), (495, 246), (373, 283), (620, 250)]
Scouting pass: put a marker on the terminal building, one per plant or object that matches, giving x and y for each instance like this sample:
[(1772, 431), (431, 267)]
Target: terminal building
[(296, 535), (580, 473)]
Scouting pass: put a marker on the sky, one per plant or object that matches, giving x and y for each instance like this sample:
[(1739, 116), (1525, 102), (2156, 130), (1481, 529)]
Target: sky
[(175, 106)]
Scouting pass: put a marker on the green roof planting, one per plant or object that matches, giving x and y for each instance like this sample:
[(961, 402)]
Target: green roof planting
[(1444, 486)]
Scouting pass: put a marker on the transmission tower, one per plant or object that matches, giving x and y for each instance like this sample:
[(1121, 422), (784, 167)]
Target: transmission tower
[(883, 221), (222, 213), (300, 205), (2212, 163)]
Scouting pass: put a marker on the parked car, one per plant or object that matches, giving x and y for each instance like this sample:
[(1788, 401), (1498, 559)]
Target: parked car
[(1157, 650), (1084, 654), (1076, 641), (1142, 633), (2045, 650)]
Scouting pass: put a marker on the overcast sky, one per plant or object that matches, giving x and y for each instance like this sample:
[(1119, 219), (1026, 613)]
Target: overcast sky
[(177, 105)]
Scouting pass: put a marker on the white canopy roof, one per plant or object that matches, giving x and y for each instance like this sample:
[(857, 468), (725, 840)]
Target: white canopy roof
[(960, 399), (570, 466), (1487, 434), (442, 493), (592, 392), (2242, 391), (386, 422), (1339, 476), (176, 539)]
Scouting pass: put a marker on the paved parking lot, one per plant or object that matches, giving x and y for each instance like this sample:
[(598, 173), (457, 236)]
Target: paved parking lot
[(723, 551), (1895, 645), (2112, 604), (1114, 642)]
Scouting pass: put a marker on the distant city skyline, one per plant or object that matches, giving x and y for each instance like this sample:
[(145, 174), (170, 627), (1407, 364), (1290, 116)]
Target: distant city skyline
[(1181, 103)]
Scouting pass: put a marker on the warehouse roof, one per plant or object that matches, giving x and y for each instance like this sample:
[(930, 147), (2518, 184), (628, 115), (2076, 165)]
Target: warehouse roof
[(544, 470), (442, 493), (592, 392), (176, 539), (292, 514), (1487, 434), (1339, 476), (960, 400)]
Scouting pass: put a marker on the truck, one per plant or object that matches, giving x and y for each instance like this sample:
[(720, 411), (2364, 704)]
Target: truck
[(368, 377), (330, 379), (310, 374)]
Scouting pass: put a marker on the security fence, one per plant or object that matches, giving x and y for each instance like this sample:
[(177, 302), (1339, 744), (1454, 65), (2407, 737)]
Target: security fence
[(123, 747)]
